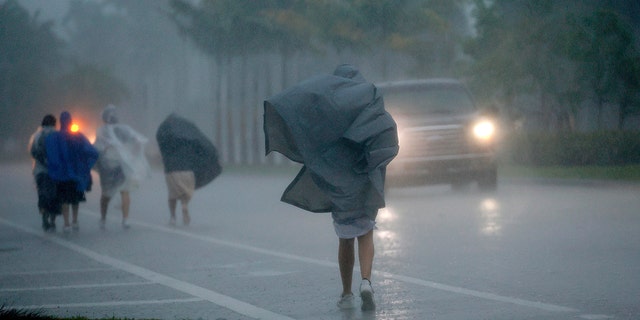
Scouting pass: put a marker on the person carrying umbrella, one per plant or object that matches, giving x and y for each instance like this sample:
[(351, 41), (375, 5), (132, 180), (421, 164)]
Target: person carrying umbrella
[(337, 127), (190, 162)]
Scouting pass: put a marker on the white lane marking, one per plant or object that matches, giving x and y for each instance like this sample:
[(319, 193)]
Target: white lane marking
[(595, 316), (230, 303), (43, 272), (421, 282), (78, 286), (479, 294), (106, 304)]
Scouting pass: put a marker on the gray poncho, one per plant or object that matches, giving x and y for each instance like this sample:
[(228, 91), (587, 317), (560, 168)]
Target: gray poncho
[(337, 127)]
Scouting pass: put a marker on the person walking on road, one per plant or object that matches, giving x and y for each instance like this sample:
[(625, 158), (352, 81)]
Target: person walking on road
[(70, 157), (122, 163), (337, 127), (190, 162), (48, 203)]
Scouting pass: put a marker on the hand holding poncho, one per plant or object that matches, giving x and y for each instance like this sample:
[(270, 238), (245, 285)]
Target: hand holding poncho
[(335, 125)]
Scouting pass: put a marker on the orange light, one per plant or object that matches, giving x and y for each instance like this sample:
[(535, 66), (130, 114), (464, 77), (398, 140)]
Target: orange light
[(75, 127)]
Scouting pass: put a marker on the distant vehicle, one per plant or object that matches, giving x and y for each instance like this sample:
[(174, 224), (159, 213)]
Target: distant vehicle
[(443, 137)]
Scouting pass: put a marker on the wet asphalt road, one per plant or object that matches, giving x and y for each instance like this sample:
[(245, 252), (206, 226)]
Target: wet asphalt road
[(531, 250)]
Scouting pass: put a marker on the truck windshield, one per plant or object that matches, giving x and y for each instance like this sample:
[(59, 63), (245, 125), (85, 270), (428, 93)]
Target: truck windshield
[(421, 100)]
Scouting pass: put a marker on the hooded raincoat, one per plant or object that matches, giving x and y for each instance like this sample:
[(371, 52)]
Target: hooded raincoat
[(337, 127), (122, 164), (70, 155)]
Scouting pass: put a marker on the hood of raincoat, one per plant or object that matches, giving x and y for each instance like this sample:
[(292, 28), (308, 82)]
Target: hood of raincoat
[(184, 147), (337, 127), (109, 114), (65, 121)]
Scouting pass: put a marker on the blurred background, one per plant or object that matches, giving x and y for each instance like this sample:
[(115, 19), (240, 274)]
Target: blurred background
[(564, 75)]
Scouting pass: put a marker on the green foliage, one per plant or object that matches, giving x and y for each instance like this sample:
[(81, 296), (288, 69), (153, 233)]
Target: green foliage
[(29, 53), (573, 149), (564, 53), (422, 29), (14, 314)]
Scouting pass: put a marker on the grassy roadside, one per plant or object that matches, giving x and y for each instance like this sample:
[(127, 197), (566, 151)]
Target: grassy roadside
[(629, 173)]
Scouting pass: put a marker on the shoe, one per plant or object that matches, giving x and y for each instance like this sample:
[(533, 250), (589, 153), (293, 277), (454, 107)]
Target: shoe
[(75, 226), (103, 224), (347, 301), (66, 229), (172, 221), (366, 294), (186, 219), (125, 225)]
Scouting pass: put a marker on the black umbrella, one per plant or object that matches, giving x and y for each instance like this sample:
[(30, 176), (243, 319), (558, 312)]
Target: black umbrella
[(184, 147), (338, 128)]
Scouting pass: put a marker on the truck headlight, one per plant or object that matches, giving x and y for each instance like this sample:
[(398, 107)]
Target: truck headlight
[(484, 130)]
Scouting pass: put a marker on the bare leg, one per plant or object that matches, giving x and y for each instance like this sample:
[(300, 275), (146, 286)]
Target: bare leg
[(65, 214), (104, 207), (172, 210), (126, 202), (365, 254), (74, 211), (346, 260), (186, 219)]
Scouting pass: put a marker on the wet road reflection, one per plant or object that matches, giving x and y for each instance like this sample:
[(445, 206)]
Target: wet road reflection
[(491, 219)]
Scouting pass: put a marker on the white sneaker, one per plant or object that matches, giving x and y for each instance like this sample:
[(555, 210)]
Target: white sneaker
[(75, 227), (366, 294), (347, 301), (103, 224)]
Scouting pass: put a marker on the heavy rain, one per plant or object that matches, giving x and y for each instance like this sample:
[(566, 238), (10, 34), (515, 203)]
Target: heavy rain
[(319, 159)]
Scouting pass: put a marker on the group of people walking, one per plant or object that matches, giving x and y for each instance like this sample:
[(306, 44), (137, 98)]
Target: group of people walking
[(62, 170), (63, 160), (335, 125)]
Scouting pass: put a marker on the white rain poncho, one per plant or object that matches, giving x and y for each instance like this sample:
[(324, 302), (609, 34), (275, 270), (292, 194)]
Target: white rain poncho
[(122, 164)]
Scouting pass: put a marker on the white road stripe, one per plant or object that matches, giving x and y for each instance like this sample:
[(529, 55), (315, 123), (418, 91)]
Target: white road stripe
[(421, 282), (78, 286), (34, 273), (196, 291), (479, 294), (106, 304)]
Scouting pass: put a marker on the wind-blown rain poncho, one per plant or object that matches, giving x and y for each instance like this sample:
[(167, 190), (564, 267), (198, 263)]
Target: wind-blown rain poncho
[(337, 127), (122, 164), (185, 148)]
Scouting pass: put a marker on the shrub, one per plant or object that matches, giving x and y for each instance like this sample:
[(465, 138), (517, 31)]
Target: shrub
[(573, 149)]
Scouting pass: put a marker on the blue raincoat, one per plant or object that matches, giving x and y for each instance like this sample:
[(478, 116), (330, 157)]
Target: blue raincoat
[(70, 155)]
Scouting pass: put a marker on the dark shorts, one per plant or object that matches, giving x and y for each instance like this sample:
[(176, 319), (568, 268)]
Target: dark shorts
[(67, 193), (47, 194)]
